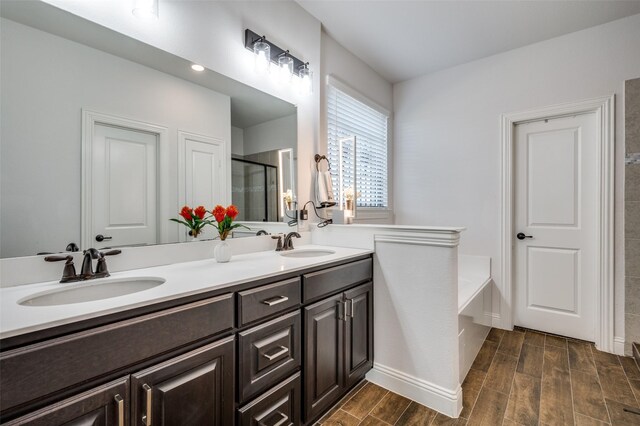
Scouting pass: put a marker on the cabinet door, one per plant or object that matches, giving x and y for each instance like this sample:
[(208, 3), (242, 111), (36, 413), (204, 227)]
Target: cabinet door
[(106, 405), (324, 349), (358, 356), (192, 389)]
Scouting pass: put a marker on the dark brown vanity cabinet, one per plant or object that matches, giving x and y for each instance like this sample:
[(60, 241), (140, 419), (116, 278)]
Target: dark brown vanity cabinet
[(261, 354), (102, 406), (338, 345)]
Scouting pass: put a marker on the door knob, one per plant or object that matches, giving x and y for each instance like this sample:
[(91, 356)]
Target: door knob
[(100, 238), (521, 236)]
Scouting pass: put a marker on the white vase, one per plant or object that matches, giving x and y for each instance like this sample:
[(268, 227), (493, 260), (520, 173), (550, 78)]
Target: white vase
[(222, 252)]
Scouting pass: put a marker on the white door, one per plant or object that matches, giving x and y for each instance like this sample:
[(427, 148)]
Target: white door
[(555, 213), (123, 187), (204, 177)]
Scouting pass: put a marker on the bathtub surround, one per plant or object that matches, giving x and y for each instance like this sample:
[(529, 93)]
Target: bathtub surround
[(447, 134), (632, 212)]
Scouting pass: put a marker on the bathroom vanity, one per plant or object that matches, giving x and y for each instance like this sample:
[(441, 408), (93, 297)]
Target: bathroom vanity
[(278, 349)]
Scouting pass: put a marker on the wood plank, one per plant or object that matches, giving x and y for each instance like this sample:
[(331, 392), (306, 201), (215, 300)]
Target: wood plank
[(524, 401), (630, 367), (489, 409), (372, 421), (485, 356), (534, 338), (363, 402), (470, 390), (511, 343), (495, 335), (621, 417), (417, 415), (556, 407), (555, 341), (555, 358), (530, 361), (391, 408), (581, 357), (587, 396), (500, 374), (341, 418), (582, 420), (442, 420), (615, 385)]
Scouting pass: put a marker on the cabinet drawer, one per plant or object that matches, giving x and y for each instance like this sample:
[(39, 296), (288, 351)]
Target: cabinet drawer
[(267, 300), (318, 284), (105, 405), (280, 406), (268, 353), (40, 369)]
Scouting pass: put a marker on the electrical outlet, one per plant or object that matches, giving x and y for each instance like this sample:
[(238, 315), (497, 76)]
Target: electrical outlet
[(304, 214)]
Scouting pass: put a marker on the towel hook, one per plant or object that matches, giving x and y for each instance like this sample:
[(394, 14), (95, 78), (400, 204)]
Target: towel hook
[(318, 158)]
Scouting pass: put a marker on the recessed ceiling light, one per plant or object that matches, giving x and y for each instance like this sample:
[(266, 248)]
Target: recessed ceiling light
[(145, 9), (197, 67)]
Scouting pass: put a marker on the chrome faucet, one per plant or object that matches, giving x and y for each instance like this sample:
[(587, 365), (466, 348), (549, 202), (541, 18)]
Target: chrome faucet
[(288, 242)]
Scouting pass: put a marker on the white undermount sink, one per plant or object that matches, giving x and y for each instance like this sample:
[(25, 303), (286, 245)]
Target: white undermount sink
[(87, 291), (307, 253)]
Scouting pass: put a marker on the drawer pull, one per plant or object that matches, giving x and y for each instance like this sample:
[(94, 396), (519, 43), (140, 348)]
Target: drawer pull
[(146, 419), (275, 300), (120, 403), (283, 350), (283, 419)]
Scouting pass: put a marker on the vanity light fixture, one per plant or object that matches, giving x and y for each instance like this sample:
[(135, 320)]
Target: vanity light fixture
[(145, 9), (197, 67), (288, 66)]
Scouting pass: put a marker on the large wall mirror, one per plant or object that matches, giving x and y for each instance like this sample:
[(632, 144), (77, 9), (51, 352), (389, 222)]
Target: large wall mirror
[(104, 138)]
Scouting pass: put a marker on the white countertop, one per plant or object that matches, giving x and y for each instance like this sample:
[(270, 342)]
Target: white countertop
[(182, 279)]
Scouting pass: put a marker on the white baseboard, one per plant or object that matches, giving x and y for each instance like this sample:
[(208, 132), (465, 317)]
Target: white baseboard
[(443, 400), (618, 345)]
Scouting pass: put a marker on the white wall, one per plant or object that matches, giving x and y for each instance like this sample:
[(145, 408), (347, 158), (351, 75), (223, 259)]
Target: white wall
[(271, 135), (211, 33), (447, 131), (46, 82), (351, 70), (237, 141)]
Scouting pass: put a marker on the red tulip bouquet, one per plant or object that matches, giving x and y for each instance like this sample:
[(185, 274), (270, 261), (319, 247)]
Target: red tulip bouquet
[(194, 219), (225, 218)]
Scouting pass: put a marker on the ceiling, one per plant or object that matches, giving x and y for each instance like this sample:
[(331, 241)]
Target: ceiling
[(404, 39)]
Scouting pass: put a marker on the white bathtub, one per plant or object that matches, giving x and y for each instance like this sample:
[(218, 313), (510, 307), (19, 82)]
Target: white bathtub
[(474, 293)]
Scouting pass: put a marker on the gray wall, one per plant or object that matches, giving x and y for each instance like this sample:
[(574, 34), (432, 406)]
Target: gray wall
[(46, 81), (632, 212)]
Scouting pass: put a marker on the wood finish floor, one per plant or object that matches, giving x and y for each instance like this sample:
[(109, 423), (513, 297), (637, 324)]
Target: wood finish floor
[(518, 378)]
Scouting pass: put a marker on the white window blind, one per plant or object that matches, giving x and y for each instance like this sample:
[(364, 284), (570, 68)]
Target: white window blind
[(347, 117)]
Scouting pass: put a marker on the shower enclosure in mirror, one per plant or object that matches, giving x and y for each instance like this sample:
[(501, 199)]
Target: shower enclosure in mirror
[(105, 138)]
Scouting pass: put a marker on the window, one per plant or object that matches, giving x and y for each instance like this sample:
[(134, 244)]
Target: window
[(348, 117)]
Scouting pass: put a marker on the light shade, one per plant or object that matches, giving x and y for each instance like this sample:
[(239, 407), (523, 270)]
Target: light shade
[(285, 68), (262, 51), (197, 67), (306, 77), (145, 9)]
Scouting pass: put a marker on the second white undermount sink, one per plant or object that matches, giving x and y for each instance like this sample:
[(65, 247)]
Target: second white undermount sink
[(307, 253), (88, 291)]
